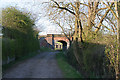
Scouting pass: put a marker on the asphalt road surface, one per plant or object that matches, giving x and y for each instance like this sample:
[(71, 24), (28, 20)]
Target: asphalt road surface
[(44, 65)]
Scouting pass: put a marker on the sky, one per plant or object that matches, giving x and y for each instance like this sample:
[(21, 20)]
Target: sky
[(34, 6)]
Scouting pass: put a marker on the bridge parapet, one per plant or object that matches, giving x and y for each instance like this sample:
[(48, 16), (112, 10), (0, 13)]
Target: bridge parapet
[(53, 38)]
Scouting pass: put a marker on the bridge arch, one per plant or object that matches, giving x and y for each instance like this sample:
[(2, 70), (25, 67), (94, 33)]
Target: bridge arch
[(61, 44), (53, 39)]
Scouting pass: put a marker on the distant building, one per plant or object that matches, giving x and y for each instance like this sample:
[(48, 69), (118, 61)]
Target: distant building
[(58, 46)]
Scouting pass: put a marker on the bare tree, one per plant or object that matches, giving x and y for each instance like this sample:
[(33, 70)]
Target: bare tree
[(72, 8), (117, 15)]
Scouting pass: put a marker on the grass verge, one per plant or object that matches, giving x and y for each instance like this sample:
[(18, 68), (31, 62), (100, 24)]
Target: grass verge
[(67, 69)]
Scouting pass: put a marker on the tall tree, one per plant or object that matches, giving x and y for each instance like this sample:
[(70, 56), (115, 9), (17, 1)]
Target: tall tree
[(74, 10), (117, 15)]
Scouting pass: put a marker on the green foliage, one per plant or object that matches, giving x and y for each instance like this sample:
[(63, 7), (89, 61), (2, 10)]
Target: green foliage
[(71, 57), (97, 55), (19, 37), (110, 53), (68, 71), (15, 19), (93, 59), (8, 48), (91, 62)]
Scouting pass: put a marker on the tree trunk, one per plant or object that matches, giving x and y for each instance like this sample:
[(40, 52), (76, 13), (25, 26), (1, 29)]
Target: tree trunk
[(117, 66), (78, 25), (118, 50), (77, 36), (89, 15), (76, 30), (80, 32)]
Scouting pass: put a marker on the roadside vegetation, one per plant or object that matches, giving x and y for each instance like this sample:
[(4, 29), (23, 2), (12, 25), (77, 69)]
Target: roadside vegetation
[(95, 56), (67, 69), (95, 27), (19, 40)]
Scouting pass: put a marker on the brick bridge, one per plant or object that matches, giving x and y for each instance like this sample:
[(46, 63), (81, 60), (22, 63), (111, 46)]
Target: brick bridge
[(55, 41)]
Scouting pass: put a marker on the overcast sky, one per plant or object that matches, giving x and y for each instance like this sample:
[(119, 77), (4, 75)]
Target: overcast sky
[(35, 7)]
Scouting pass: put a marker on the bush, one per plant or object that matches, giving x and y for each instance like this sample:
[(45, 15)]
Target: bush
[(8, 49), (19, 37), (93, 59), (94, 56)]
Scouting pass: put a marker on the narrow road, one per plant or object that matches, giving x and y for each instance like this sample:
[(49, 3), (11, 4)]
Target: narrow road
[(44, 65)]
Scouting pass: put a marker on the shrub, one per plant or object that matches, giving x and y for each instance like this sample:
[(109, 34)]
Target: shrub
[(19, 37)]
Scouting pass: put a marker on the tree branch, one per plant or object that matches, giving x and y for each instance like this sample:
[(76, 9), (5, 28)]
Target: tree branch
[(84, 14), (98, 27), (109, 20), (111, 10), (62, 30), (84, 4), (108, 28), (58, 6), (101, 9)]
